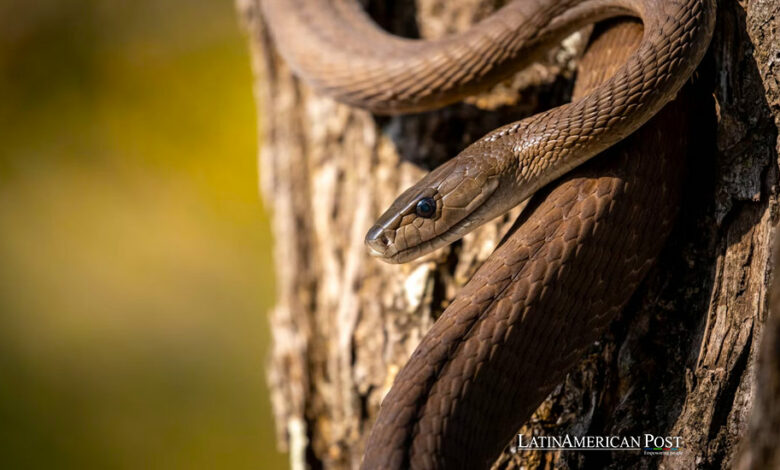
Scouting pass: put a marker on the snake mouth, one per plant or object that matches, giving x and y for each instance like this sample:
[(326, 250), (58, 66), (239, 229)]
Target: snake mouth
[(401, 234), (381, 245)]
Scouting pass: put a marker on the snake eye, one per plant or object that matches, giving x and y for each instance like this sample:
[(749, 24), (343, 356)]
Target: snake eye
[(426, 207)]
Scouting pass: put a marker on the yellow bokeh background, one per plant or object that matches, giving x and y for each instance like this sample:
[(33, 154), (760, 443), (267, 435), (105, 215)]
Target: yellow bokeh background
[(135, 269)]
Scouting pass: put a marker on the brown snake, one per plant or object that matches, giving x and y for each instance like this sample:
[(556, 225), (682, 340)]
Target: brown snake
[(579, 249)]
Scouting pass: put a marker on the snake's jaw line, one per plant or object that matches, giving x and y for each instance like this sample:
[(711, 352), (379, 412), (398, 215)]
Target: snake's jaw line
[(466, 193)]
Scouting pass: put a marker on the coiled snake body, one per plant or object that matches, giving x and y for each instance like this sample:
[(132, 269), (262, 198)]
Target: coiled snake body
[(579, 249)]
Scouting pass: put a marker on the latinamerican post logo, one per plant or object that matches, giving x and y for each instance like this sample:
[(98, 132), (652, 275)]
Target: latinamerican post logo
[(648, 444)]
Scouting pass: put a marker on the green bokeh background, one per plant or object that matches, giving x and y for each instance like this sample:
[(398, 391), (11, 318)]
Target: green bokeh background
[(135, 268)]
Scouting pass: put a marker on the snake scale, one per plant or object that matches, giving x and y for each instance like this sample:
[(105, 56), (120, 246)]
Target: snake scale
[(578, 250)]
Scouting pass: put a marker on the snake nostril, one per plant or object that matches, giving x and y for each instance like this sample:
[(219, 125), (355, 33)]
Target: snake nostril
[(377, 240)]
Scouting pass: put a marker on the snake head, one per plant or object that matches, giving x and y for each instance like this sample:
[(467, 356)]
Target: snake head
[(441, 208)]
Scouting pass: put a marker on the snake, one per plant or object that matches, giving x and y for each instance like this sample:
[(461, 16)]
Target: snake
[(579, 248)]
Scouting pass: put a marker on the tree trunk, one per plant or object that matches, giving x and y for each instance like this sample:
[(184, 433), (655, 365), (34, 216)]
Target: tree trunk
[(680, 360)]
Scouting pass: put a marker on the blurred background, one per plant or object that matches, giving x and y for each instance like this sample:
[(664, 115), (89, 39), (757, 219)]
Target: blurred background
[(135, 264)]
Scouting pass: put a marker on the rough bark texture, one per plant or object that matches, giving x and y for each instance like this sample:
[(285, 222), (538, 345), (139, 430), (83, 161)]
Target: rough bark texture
[(681, 360), (760, 449)]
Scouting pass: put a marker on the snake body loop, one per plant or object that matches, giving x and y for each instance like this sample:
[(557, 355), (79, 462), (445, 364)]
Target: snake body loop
[(576, 255), (342, 53)]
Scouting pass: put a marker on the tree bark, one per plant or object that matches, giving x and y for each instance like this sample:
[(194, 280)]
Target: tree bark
[(680, 360)]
